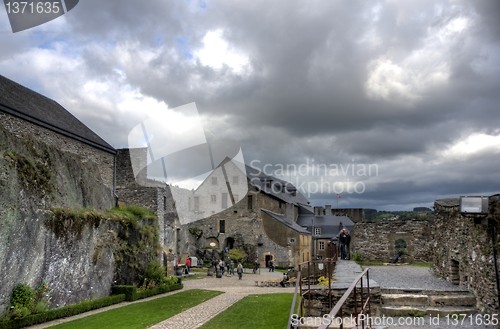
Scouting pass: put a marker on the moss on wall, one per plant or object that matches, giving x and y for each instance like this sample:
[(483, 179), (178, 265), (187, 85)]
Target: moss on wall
[(35, 175), (134, 238)]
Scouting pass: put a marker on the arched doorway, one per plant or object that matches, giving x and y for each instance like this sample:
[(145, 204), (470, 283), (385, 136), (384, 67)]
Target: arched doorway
[(268, 259), (229, 243)]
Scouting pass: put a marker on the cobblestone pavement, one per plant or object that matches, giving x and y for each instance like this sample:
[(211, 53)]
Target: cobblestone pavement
[(233, 289)]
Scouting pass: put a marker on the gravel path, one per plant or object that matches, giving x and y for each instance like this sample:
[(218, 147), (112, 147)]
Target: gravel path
[(414, 277), (409, 277)]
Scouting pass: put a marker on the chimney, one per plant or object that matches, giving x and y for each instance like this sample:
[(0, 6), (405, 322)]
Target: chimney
[(328, 210), (318, 211)]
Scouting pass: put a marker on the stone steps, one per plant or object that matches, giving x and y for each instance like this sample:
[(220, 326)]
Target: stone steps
[(419, 311), (399, 302)]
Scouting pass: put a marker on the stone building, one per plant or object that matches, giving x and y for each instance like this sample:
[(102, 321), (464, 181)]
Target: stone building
[(324, 227), (463, 249), (261, 218), (32, 116)]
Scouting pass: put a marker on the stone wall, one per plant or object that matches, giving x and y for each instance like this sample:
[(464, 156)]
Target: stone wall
[(36, 177), (155, 196), (377, 240), (322, 301), (27, 131), (463, 252)]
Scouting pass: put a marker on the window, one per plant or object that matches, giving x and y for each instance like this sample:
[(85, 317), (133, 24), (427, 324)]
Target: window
[(224, 201), (236, 180), (250, 202), (196, 203), (164, 203), (317, 231), (321, 245), (214, 180), (222, 226), (213, 198)]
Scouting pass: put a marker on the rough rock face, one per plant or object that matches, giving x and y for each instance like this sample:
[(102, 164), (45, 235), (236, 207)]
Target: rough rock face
[(74, 267), (463, 251), (75, 257)]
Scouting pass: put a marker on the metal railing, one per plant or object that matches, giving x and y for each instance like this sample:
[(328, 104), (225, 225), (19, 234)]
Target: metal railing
[(363, 302), (308, 275)]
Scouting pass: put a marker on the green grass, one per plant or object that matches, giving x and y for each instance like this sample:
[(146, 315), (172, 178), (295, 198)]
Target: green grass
[(143, 314), (197, 273), (255, 311)]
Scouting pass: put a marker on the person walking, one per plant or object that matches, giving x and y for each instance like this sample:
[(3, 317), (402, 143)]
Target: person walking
[(255, 266), (239, 270), (343, 243), (188, 264), (347, 244), (221, 266), (271, 266)]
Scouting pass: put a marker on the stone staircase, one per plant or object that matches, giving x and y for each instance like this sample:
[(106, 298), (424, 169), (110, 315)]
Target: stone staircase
[(417, 302)]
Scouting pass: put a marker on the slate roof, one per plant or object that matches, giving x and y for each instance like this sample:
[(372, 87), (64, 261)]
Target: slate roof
[(31, 106), (259, 179), (283, 220), (329, 224)]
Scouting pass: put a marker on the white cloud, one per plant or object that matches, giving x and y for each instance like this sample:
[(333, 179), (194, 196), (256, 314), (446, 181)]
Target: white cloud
[(472, 145), (217, 52)]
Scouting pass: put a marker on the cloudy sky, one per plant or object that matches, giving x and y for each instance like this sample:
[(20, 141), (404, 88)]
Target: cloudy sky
[(392, 104)]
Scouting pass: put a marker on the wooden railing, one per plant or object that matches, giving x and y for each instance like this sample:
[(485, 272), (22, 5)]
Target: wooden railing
[(364, 303)]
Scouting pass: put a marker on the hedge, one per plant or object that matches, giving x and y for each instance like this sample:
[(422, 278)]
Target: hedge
[(120, 294), (62, 312), (129, 291), (158, 290)]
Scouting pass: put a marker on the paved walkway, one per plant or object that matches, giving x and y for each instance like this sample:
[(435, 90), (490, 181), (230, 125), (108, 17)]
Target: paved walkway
[(233, 289)]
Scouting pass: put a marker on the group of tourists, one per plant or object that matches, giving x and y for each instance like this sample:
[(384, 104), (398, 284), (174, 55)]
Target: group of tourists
[(221, 266)]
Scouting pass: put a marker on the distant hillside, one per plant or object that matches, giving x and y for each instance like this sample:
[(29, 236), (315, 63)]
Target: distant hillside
[(421, 213)]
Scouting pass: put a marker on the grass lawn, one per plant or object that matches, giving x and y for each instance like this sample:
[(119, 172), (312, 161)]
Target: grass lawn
[(196, 273), (143, 314), (255, 311)]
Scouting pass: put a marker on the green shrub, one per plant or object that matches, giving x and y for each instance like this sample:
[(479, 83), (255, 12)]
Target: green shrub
[(357, 257), (237, 255), (158, 290), (133, 212), (23, 296), (61, 312), (172, 280), (129, 291), (154, 274)]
